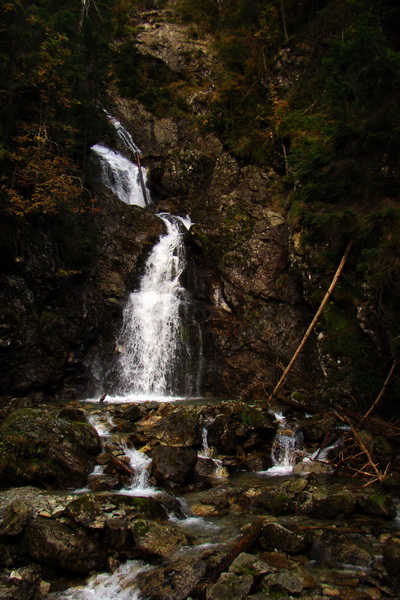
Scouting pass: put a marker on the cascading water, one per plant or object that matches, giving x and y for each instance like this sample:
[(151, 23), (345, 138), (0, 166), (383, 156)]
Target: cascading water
[(155, 356), (288, 441), (205, 452), (120, 175), (123, 134)]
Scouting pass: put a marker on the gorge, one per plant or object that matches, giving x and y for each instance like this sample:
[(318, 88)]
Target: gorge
[(160, 263)]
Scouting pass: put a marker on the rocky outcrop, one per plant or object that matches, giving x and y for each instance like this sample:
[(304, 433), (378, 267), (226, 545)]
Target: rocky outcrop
[(41, 449), (55, 544), (57, 321)]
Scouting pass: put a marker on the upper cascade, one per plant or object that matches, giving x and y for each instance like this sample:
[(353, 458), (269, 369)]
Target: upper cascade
[(122, 176), (123, 134)]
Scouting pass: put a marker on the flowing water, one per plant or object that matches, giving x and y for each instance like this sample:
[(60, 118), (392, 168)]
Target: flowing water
[(288, 442), (120, 175), (156, 357)]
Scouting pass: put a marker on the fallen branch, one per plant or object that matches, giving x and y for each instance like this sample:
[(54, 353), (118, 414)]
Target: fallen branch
[(378, 398), (364, 448), (244, 544), (313, 322)]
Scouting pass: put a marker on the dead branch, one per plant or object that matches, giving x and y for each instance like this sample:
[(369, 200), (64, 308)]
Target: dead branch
[(379, 396), (313, 322)]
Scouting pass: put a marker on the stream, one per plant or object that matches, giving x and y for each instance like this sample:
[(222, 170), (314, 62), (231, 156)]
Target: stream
[(211, 467)]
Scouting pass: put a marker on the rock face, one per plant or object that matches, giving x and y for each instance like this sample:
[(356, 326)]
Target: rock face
[(43, 450), (247, 297)]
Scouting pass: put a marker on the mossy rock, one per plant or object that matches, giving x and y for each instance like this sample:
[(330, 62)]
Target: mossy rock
[(157, 539), (326, 504), (378, 505), (52, 543), (93, 512), (37, 448)]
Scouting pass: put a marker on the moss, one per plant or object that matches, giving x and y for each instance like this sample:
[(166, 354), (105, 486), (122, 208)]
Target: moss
[(141, 527), (352, 350)]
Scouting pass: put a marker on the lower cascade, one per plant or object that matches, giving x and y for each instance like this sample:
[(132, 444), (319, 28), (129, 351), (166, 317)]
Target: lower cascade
[(156, 357)]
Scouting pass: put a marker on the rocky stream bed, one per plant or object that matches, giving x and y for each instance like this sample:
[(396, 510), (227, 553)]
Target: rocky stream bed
[(196, 513)]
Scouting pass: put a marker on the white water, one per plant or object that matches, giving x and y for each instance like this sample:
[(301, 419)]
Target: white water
[(140, 463), (105, 586), (205, 452), (287, 443), (123, 134), (120, 175), (154, 359)]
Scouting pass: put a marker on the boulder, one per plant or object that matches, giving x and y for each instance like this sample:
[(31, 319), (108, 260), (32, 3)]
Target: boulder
[(180, 428), (174, 581), (157, 539), (336, 550), (92, 512), (230, 586), (275, 536), (221, 437), (15, 517), (249, 564), (44, 450), (378, 505), (52, 543), (205, 467), (325, 504), (285, 581), (257, 461), (391, 560), (315, 428), (173, 464), (273, 501)]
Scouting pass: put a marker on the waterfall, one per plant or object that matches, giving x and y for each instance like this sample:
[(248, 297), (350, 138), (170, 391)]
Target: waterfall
[(156, 357), (205, 452), (120, 175), (287, 443), (140, 463), (119, 585), (123, 134)]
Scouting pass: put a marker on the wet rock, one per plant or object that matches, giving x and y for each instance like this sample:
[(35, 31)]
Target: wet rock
[(221, 437), (92, 512), (52, 543), (379, 505), (317, 427), (273, 501), (118, 535), (174, 581), (132, 413), (72, 414), (337, 550), (249, 564), (391, 560), (44, 450), (307, 466), (157, 539), (325, 504), (180, 428), (205, 467), (230, 586), (98, 483), (15, 517), (257, 461), (286, 581), (276, 536), (173, 464)]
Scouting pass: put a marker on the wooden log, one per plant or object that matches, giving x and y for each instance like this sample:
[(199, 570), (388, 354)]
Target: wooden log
[(313, 322)]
